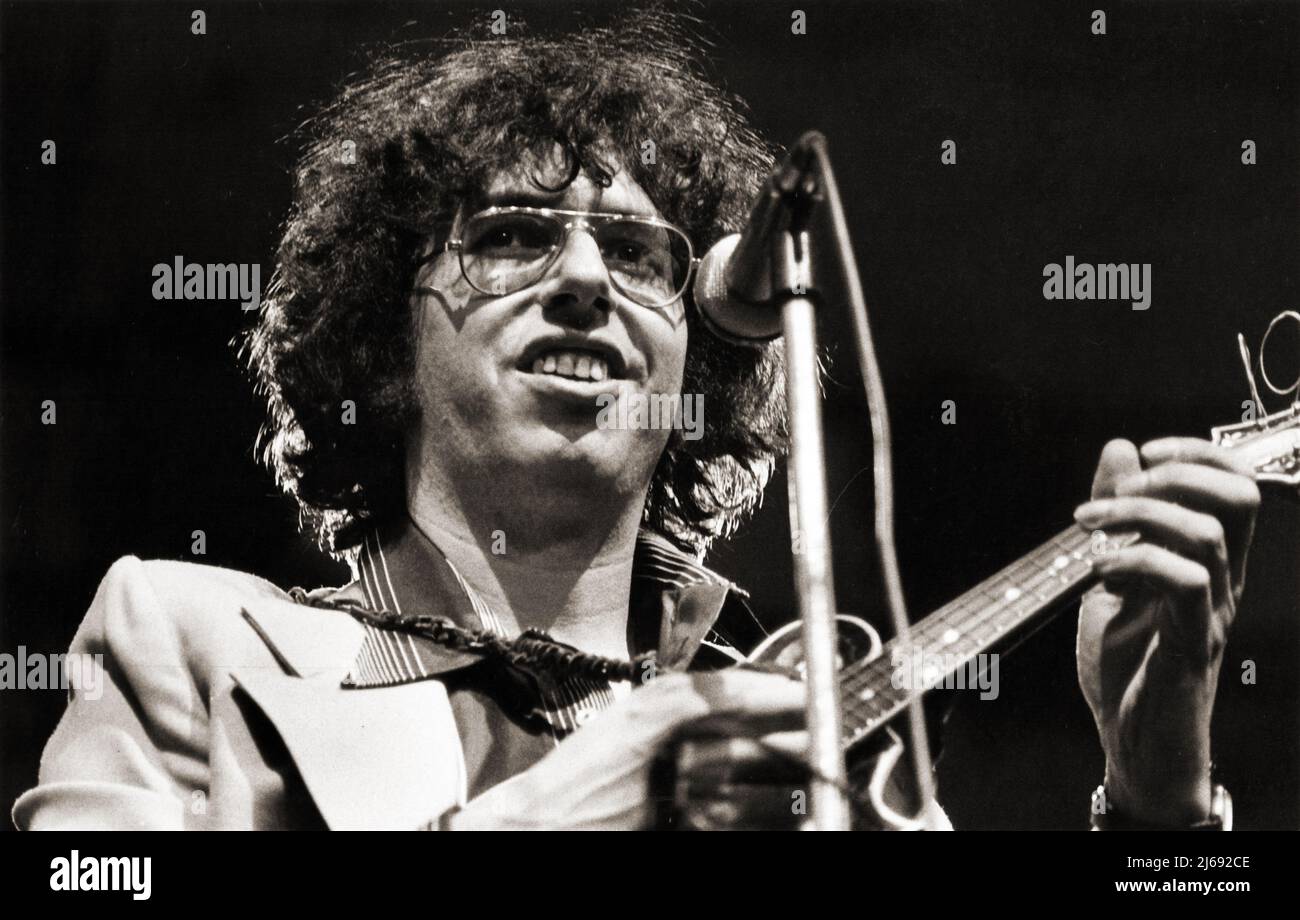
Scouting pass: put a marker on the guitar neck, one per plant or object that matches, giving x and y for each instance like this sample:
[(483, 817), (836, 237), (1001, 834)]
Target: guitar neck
[(946, 643), (943, 649)]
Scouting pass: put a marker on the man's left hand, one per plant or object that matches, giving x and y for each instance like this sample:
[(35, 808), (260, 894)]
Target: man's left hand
[(1151, 643)]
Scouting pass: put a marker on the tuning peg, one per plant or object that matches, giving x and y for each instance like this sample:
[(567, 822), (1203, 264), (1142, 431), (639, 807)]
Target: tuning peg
[(1263, 345), (1250, 375)]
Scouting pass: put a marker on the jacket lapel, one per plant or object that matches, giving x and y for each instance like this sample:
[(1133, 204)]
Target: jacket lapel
[(381, 758), (388, 754)]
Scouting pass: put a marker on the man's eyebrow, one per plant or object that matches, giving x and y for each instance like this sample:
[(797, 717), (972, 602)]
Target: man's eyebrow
[(521, 198), (527, 198)]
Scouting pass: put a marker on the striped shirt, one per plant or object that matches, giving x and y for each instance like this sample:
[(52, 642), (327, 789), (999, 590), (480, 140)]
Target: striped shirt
[(688, 614)]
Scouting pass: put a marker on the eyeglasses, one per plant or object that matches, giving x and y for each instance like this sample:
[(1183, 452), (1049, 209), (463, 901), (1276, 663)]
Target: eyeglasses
[(506, 249)]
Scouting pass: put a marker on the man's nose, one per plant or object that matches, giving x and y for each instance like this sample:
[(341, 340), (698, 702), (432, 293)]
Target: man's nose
[(579, 294)]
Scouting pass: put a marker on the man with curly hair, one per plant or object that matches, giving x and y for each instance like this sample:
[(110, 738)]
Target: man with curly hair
[(506, 245)]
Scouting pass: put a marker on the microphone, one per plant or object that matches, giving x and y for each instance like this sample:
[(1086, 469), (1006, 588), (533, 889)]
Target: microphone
[(733, 285)]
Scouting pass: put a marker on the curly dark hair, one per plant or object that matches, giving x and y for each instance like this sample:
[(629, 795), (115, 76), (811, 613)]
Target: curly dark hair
[(431, 124)]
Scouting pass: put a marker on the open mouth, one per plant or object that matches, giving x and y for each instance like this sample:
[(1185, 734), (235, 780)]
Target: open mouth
[(572, 362)]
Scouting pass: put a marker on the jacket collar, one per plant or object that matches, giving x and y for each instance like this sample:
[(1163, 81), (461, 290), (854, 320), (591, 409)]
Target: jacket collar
[(390, 757), (675, 603)]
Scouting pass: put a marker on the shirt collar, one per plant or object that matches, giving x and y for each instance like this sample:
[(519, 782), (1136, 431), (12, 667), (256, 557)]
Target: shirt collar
[(675, 604)]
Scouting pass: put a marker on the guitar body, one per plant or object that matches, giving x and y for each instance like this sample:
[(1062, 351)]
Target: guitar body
[(878, 769), (719, 783)]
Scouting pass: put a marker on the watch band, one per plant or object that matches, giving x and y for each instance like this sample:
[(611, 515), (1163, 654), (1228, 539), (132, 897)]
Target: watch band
[(1107, 819)]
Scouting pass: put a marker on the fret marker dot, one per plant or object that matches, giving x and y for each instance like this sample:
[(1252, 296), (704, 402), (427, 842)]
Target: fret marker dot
[(867, 694), (1012, 594), (1060, 562), (950, 636)]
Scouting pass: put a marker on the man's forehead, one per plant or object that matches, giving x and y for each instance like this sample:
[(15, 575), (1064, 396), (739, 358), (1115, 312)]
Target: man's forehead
[(522, 185)]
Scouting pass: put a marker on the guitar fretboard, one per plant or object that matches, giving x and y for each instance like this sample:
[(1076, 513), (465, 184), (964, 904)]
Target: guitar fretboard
[(947, 641)]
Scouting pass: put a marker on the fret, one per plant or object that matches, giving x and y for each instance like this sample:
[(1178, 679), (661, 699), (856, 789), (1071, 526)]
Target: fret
[(872, 708), (999, 606), (955, 634)]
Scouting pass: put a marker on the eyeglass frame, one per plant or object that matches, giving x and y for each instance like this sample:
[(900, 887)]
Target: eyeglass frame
[(456, 244)]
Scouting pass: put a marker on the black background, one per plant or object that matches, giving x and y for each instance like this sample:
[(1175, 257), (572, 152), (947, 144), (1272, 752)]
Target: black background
[(1124, 147)]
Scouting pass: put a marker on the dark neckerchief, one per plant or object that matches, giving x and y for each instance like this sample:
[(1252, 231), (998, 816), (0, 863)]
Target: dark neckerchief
[(402, 577)]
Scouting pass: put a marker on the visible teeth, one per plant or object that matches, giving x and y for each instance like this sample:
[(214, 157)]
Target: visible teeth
[(579, 365)]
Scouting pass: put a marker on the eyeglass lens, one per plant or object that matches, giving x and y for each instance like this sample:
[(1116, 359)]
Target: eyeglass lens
[(504, 253)]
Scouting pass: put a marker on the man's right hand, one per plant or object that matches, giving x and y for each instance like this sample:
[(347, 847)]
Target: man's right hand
[(599, 777)]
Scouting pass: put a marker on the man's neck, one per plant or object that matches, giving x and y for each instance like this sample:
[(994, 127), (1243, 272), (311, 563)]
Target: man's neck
[(568, 575)]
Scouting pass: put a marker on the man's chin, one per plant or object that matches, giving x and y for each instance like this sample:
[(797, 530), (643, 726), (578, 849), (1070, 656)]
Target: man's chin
[(580, 449)]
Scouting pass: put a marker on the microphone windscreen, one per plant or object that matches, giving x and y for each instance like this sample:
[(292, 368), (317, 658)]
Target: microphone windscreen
[(725, 315)]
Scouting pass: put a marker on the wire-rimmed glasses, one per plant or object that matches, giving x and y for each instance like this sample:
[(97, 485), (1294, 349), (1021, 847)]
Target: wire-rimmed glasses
[(503, 250)]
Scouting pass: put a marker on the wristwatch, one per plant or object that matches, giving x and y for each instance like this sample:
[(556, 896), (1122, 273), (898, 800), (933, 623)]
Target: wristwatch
[(1106, 819)]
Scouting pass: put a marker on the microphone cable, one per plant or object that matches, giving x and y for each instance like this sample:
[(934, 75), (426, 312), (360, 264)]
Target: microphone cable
[(882, 463)]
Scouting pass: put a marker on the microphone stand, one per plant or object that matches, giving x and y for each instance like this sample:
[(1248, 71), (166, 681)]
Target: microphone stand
[(777, 234), (792, 288)]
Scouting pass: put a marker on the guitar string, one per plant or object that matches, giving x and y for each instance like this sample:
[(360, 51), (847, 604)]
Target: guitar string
[(1025, 575), (970, 613), (985, 605), (874, 711)]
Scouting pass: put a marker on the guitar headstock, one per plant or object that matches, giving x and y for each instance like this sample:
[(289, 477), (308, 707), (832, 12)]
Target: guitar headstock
[(1270, 443)]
